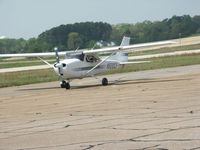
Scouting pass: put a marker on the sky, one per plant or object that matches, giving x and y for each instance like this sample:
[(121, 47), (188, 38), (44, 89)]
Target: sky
[(28, 18)]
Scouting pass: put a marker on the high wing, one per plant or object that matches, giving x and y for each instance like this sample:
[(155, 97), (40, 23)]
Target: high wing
[(124, 46), (128, 47), (32, 54)]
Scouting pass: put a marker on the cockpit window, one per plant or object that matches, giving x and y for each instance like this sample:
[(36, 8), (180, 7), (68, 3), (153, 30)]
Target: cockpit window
[(91, 58), (79, 56)]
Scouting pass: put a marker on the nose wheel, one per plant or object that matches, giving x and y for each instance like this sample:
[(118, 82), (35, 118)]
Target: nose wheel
[(104, 81), (65, 84)]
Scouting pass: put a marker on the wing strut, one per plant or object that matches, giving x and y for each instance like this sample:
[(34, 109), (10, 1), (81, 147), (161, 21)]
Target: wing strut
[(46, 62), (99, 63)]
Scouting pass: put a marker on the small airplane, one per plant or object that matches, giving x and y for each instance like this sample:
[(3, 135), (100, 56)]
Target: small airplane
[(80, 64)]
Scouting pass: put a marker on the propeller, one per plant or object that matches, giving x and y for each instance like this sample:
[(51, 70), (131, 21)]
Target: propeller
[(58, 64), (57, 56)]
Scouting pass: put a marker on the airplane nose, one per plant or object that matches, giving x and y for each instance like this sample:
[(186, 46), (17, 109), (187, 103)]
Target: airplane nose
[(58, 68)]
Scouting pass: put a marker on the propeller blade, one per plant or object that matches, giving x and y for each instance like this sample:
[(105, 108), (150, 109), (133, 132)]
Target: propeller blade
[(57, 56), (59, 70), (59, 66)]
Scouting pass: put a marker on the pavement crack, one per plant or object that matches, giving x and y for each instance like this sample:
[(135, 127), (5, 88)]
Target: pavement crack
[(146, 148), (67, 126), (170, 130), (89, 147), (196, 148), (166, 140)]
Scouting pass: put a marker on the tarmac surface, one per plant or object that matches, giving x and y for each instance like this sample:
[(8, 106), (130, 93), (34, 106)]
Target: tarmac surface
[(147, 110)]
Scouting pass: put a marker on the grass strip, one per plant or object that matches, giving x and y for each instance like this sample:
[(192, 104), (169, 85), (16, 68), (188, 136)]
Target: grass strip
[(27, 77)]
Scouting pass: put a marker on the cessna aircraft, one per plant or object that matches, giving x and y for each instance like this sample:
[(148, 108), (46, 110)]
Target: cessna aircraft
[(80, 64)]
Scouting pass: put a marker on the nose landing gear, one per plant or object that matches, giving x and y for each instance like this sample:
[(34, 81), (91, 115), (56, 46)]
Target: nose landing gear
[(65, 84)]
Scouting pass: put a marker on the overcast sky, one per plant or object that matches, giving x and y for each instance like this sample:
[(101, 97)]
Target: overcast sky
[(29, 18)]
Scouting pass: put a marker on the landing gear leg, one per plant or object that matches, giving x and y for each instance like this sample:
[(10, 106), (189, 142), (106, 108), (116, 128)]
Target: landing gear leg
[(104, 81)]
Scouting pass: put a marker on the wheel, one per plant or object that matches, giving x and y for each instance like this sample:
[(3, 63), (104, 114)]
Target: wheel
[(63, 84), (104, 81), (67, 85)]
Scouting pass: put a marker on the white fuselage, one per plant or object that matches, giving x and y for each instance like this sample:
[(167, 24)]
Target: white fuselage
[(76, 69)]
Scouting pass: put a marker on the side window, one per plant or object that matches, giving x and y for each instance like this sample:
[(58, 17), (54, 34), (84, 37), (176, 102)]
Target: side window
[(90, 58)]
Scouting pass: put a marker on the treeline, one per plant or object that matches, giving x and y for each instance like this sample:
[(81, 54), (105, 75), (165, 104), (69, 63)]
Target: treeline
[(76, 35), (147, 31), (85, 35)]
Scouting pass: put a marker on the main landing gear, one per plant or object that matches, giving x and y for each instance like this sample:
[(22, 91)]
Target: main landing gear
[(65, 84), (104, 81)]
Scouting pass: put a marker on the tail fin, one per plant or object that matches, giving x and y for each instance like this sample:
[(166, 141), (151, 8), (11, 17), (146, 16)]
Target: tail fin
[(122, 56), (125, 41)]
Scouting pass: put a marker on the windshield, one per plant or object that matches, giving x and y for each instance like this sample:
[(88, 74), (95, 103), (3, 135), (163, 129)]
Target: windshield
[(78, 55)]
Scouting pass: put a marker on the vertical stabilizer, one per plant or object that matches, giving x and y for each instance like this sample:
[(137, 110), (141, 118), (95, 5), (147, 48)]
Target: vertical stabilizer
[(125, 41), (122, 56)]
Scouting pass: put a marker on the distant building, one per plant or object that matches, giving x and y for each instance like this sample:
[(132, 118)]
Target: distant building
[(105, 44)]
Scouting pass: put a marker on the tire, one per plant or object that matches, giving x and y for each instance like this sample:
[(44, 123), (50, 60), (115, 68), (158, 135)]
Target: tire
[(67, 86), (104, 81), (63, 84)]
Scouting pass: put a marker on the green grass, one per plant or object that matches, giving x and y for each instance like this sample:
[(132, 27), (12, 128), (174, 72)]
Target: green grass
[(27, 77), (46, 75)]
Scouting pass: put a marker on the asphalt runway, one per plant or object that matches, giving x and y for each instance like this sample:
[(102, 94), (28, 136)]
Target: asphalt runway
[(147, 110)]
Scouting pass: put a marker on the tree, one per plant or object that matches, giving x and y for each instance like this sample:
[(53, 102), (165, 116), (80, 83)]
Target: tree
[(36, 45), (196, 20), (74, 40), (86, 34), (87, 31), (12, 45)]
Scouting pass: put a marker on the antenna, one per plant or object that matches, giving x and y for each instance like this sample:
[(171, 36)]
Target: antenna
[(76, 49)]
